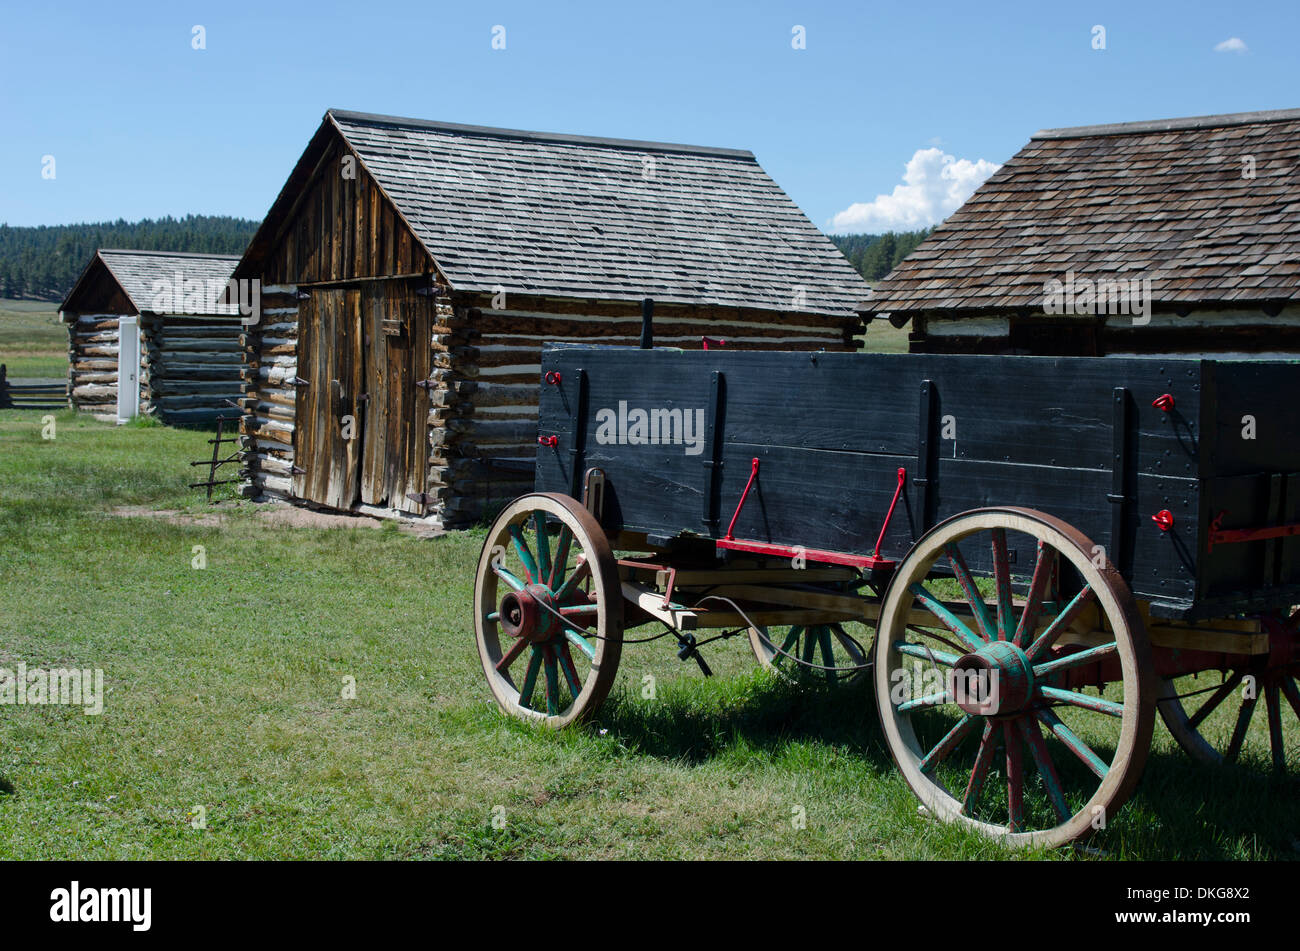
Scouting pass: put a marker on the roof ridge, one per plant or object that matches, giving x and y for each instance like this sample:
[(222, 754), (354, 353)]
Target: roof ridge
[(369, 118), (171, 254), (1169, 125)]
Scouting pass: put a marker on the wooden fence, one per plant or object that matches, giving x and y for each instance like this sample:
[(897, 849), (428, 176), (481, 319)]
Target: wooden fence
[(28, 394)]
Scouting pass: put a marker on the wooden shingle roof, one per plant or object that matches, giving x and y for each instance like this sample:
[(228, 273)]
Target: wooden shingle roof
[(1165, 200), (137, 271), (601, 219)]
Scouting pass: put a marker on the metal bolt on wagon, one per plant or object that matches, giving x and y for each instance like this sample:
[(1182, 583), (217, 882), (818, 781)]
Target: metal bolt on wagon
[(1026, 557)]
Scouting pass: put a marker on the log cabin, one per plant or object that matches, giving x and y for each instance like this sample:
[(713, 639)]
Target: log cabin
[(1177, 237), (411, 270), (161, 321)]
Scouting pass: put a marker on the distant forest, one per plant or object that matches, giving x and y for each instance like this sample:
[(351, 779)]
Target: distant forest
[(875, 255), (43, 263)]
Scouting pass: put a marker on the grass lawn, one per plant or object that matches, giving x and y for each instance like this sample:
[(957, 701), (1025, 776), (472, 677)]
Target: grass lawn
[(32, 341), (224, 700), (884, 337)]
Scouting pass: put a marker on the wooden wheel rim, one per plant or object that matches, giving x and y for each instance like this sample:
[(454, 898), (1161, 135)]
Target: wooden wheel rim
[(1116, 604), (764, 642), (590, 541)]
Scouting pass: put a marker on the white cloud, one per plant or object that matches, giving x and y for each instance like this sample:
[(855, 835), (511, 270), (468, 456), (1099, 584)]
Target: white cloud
[(1233, 44), (935, 184)]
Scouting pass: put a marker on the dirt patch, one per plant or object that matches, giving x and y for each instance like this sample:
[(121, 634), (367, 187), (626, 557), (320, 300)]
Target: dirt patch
[(171, 516), (279, 514)]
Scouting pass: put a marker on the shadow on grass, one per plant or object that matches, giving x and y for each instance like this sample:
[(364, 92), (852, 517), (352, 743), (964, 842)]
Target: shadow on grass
[(696, 725), (1188, 811), (1182, 810), (6, 787)]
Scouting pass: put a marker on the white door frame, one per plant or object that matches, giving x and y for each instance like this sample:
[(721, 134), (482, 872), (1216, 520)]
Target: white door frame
[(128, 369)]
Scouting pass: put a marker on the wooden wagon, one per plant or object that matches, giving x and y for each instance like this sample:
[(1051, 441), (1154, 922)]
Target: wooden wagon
[(1026, 557)]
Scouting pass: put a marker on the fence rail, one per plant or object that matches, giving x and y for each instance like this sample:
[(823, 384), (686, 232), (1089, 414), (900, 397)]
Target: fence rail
[(31, 394)]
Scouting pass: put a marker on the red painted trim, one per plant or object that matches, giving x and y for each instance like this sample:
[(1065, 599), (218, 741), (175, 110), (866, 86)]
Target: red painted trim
[(1230, 536), (809, 554)]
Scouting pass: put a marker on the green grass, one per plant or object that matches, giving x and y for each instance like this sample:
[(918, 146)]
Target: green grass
[(884, 337), (224, 692), (32, 341)]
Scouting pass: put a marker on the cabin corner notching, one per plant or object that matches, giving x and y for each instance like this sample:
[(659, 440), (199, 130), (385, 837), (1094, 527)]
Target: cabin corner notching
[(411, 272)]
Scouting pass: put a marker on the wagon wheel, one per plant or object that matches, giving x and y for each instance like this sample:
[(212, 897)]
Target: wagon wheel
[(548, 613), (842, 646), (964, 672), (1218, 728)]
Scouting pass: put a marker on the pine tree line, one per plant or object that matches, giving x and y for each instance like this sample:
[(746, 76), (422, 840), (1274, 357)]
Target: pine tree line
[(875, 255), (42, 263)]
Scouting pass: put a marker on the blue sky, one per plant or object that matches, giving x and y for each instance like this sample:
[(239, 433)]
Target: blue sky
[(140, 124)]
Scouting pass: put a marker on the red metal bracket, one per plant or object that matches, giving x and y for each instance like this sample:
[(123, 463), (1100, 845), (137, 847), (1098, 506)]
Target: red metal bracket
[(551, 441), (1233, 536), (874, 560), (1164, 402), (1164, 518), (672, 578), (753, 473), (553, 377), (716, 341), (898, 490)]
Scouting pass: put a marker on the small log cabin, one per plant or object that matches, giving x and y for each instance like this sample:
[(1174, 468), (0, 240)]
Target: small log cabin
[(1180, 236), (411, 270), (164, 314)]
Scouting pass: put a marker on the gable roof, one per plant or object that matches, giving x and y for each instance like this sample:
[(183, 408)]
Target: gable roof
[(583, 217), (1165, 200), (136, 271)]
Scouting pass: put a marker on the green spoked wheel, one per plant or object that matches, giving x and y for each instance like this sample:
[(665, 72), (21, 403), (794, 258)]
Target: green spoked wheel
[(1013, 678), (548, 611), (834, 654), (1247, 714)]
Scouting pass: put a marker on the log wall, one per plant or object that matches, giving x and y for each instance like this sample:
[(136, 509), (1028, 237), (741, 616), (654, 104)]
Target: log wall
[(191, 368), (92, 364), (1215, 333), (483, 431), (269, 366)]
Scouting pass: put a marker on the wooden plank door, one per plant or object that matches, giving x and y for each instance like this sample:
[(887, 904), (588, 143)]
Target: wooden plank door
[(328, 433), (398, 324)]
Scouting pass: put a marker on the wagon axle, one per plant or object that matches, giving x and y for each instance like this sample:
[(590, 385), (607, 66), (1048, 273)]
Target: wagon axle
[(530, 614), (995, 680)]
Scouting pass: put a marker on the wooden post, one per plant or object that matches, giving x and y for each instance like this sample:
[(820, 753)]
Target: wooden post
[(647, 323)]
